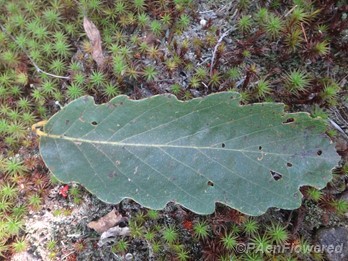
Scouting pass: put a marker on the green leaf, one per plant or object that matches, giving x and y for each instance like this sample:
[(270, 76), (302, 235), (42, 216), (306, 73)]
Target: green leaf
[(194, 153)]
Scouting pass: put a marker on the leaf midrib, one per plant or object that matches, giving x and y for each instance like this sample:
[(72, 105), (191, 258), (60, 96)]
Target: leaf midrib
[(146, 145)]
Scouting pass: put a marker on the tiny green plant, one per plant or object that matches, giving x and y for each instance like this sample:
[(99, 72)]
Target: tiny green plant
[(156, 247), (48, 87), (121, 246), (277, 233), (74, 91), (299, 15), (156, 27), (166, 19), (136, 230), (75, 66), (149, 73), (20, 245), (57, 66), (250, 226), (139, 5), (296, 81), (215, 79), (139, 218), (143, 20), (110, 90), (97, 78), (52, 17), (8, 191), (294, 38), (51, 245), (322, 48), (195, 82), (79, 79), (183, 22), (75, 191), (152, 214), (119, 65), (329, 92), (201, 230), (35, 201), (319, 112), (229, 241), (262, 243), (273, 26), (170, 234), (235, 229), (201, 73), (150, 235), (5, 205), (304, 247), (19, 211), (245, 23), (24, 104), (3, 248), (176, 88), (261, 15), (314, 194), (183, 255), (14, 166), (243, 4), (340, 206), (263, 88), (6, 79), (233, 73), (14, 225)]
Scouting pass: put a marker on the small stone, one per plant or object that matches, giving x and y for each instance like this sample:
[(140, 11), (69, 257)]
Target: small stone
[(334, 242), (128, 256), (203, 22)]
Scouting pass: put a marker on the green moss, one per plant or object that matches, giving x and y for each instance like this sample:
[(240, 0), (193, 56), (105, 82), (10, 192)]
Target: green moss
[(201, 230), (229, 241), (296, 81), (277, 233), (245, 23), (250, 226), (170, 234)]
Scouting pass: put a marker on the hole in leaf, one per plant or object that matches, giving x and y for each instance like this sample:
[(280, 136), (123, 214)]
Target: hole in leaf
[(223, 145), (319, 152), (289, 120), (276, 175), (210, 183), (94, 123), (289, 164), (260, 148), (182, 74)]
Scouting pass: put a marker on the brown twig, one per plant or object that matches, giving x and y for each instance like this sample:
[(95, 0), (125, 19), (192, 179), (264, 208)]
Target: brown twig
[(304, 33)]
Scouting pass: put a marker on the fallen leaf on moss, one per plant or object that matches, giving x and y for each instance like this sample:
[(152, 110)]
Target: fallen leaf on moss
[(93, 35), (196, 153), (106, 222)]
